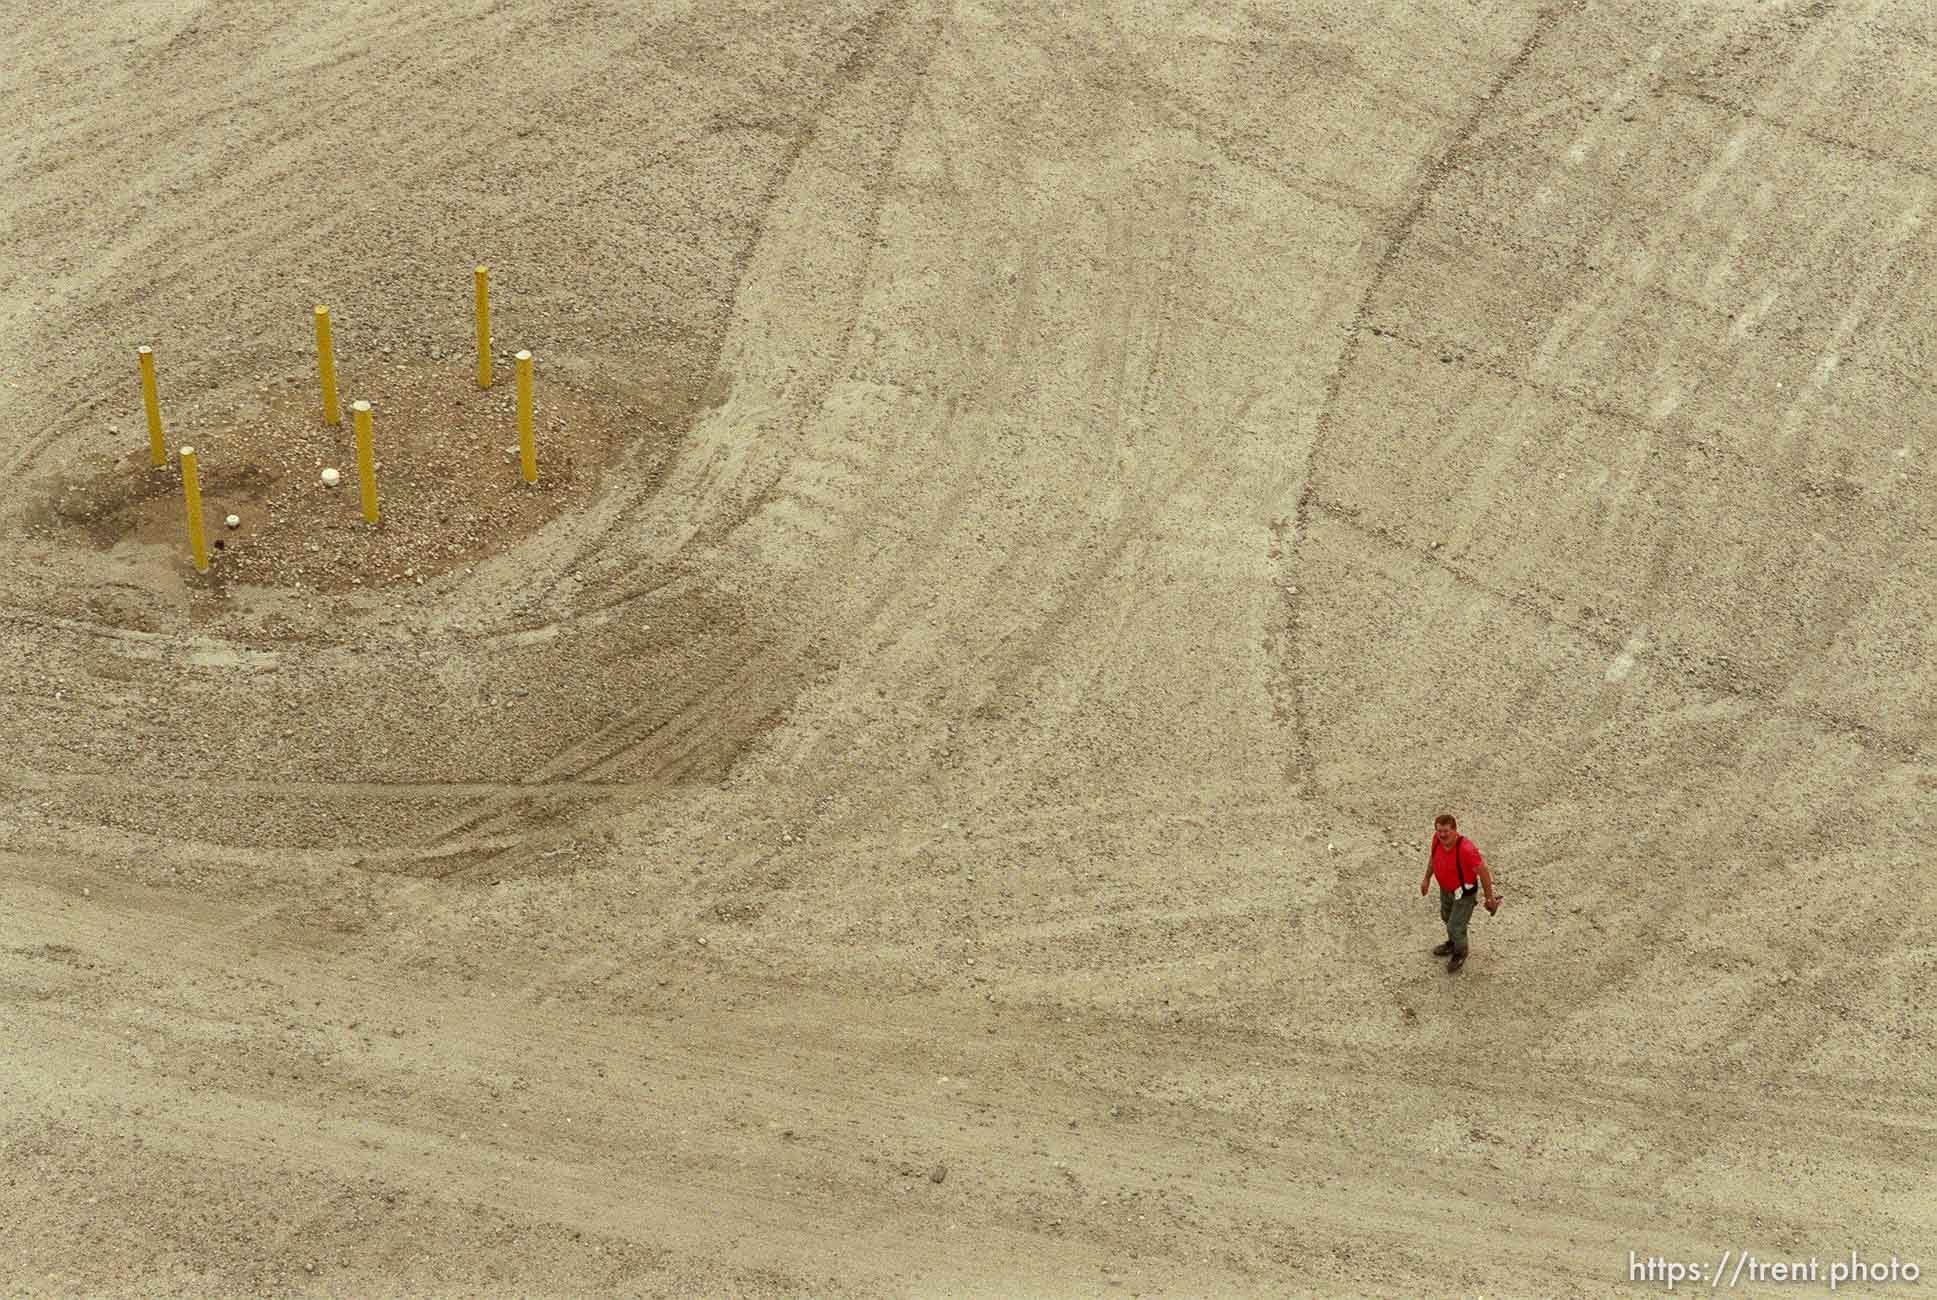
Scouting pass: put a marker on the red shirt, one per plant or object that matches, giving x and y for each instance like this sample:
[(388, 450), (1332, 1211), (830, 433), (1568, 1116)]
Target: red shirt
[(1445, 872)]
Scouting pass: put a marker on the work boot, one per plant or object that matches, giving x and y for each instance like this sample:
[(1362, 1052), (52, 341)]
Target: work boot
[(1444, 949), (1459, 960)]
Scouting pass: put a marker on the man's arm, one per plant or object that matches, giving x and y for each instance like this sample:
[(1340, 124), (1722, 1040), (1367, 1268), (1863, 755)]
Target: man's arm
[(1486, 883)]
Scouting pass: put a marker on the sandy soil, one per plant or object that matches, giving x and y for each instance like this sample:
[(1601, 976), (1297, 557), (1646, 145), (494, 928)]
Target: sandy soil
[(927, 795)]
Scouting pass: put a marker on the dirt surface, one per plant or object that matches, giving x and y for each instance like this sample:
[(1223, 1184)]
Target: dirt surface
[(927, 794)]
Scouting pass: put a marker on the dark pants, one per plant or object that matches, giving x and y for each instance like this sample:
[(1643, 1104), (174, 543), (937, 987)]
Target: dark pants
[(1456, 912)]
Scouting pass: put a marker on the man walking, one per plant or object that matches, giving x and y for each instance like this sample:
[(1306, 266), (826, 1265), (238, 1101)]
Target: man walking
[(1455, 862)]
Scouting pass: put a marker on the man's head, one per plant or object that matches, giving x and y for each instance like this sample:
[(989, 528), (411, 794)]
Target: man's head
[(1446, 829)]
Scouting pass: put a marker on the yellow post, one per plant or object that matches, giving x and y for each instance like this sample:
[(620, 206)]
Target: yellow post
[(527, 453), (484, 326), (366, 468), (155, 447), (192, 490), (326, 362)]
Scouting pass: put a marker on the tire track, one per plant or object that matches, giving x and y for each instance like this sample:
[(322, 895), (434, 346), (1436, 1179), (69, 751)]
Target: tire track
[(692, 736), (688, 748), (875, 40), (965, 435), (684, 740), (251, 166), (1705, 674), (692, 742), (358, 790), (801, 1055), (1130, 370), (1434, 173), (1783, 125), (1830, 615), (1848, 594)]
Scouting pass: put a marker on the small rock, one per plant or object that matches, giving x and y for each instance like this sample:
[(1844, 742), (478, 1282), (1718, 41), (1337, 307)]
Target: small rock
[(938, 1173)]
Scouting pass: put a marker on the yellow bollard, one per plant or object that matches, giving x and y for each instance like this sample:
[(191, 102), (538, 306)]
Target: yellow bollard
[(366, 469), (527, 453), (326, 363), (192, 490), (484, 326), (155, 447)]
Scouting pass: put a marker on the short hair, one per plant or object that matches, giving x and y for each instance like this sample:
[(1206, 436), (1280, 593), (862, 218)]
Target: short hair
[(1446, 819)]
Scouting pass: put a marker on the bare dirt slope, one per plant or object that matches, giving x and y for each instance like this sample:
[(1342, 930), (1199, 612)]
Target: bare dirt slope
[(927, 795)]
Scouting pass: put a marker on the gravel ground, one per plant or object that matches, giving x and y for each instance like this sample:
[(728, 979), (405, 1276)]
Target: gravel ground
[(926, 794)]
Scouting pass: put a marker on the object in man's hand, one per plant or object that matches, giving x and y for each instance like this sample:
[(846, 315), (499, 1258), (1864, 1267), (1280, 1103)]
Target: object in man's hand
[(1492, 905)]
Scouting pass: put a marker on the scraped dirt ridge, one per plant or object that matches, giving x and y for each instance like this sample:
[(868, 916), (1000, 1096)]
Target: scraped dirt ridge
[(927, 795)]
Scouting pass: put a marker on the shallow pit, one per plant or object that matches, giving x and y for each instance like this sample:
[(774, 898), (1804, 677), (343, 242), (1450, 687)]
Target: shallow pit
[(449, 485)]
